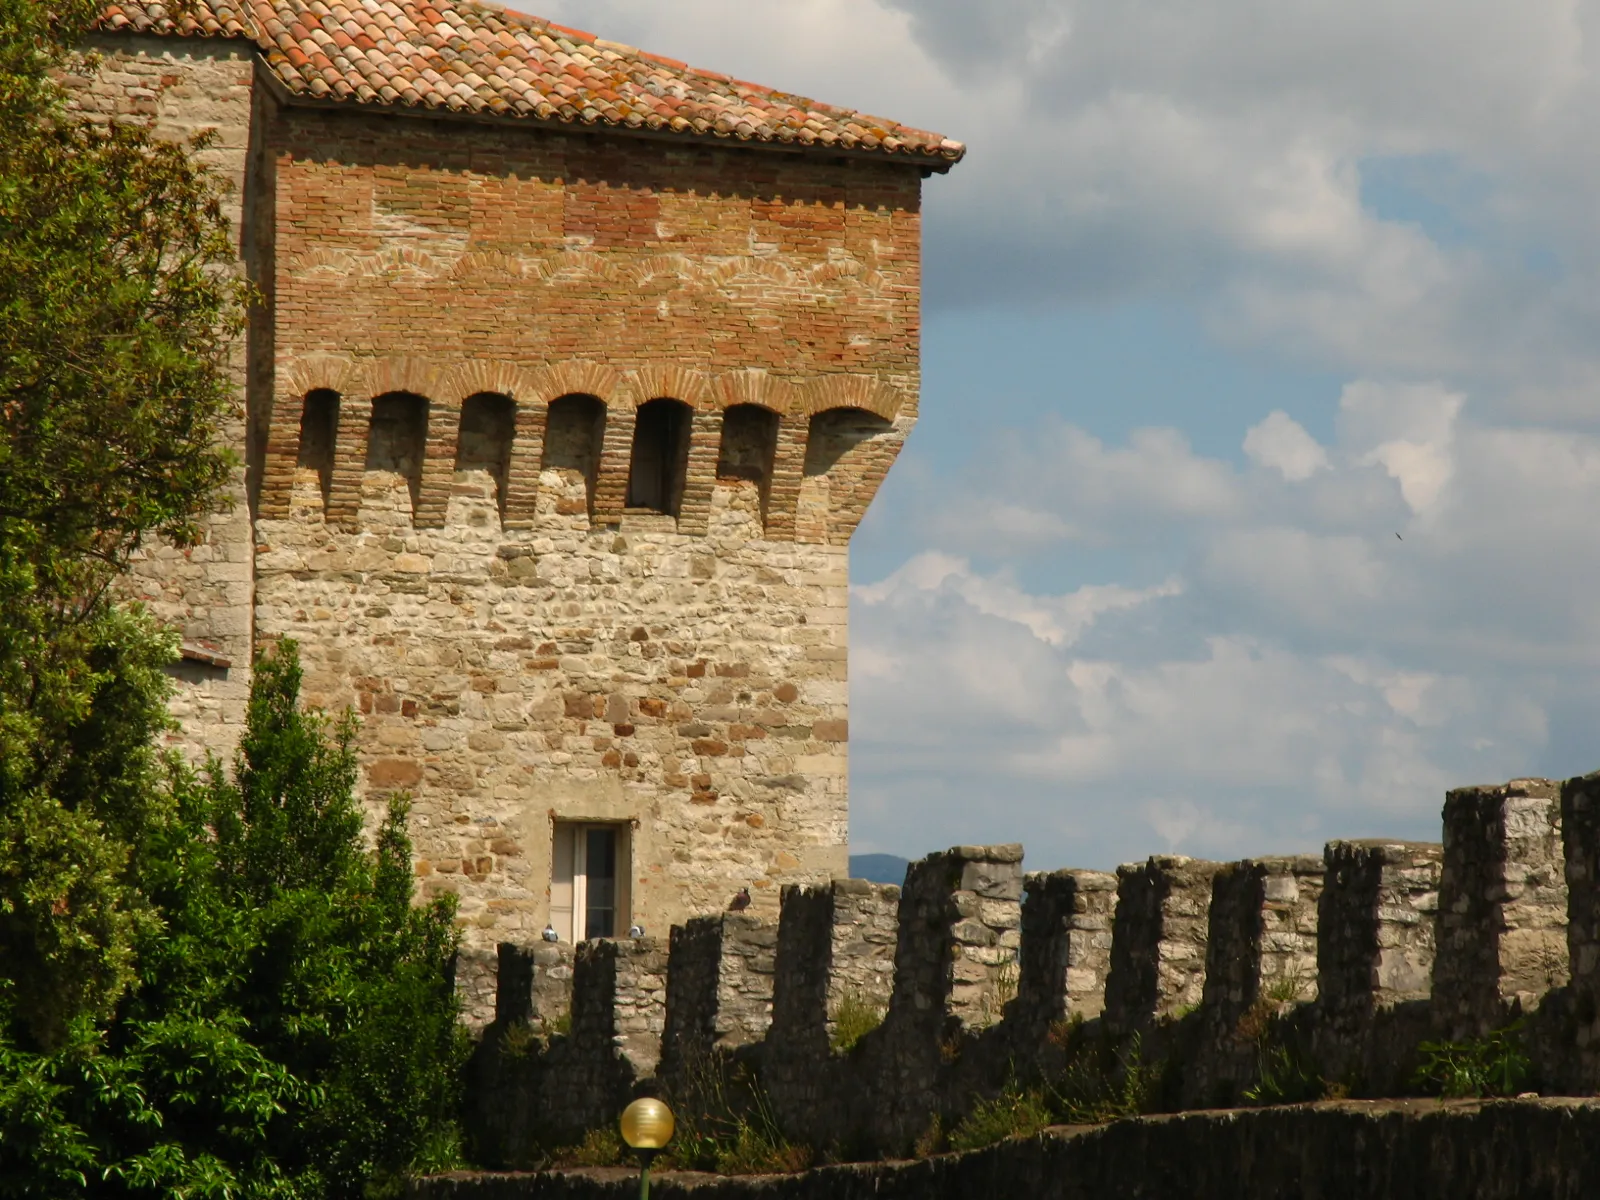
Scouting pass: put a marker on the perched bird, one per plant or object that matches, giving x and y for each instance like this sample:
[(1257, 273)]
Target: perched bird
[(740, 901), (550, 934), (636, 930)]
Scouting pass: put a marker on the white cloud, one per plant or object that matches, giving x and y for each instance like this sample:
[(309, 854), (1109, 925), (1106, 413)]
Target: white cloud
[(1304, 674), (1282, 444), (1057, 621)]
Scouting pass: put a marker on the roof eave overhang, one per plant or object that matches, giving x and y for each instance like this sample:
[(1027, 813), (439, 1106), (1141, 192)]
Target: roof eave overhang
[(928, 164)]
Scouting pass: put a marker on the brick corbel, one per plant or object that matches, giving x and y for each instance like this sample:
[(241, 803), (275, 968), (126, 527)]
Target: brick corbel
[(847, 504), (756, 387), (404, 373), (852, 391), (349, 460), (845, 514), (452, 387), (420, 377)]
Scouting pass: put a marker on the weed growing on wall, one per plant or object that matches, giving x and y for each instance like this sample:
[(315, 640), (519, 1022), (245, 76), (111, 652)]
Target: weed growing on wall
[(1100, 1083), (1284, 1076), (853, 1019), (1015, 1112), (1495, 1064), (1286, 1071), (725, 1122), (1007, 982)]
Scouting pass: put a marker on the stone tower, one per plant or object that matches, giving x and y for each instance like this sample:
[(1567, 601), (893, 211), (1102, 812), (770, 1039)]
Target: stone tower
[(574, 372)]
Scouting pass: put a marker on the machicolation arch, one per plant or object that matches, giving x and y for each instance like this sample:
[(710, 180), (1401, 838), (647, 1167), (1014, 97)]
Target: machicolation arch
[(656, 440)]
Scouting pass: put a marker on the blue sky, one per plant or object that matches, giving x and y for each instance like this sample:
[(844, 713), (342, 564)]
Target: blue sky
[(1253, 498)]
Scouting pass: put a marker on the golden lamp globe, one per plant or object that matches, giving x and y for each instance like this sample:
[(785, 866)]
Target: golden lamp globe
[(647, 1124)]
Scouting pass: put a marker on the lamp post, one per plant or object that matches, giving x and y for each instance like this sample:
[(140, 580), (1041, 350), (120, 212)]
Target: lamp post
[(646, 1127)]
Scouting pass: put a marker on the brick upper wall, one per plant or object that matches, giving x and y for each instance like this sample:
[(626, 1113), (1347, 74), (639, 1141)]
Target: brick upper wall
[(454, 239)]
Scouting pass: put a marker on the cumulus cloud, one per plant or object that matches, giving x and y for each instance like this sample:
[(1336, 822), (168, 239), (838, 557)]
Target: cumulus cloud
[(1301, 673), (1282, 443)]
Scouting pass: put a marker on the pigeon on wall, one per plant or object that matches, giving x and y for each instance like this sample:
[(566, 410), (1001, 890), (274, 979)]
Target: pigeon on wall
[(636, 931), (550, 934), (740, 901)]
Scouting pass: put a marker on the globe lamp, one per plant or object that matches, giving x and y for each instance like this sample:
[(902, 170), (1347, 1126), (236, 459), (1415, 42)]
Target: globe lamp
[(647, 1128)]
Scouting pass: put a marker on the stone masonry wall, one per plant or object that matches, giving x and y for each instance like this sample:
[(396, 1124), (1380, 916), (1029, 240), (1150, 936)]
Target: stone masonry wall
[(865, 920), (1580, 829), (719, 987), (1159, 945), (1066, 944), (183, 87), (1375, 953), (461, 323), (1405, 1150)]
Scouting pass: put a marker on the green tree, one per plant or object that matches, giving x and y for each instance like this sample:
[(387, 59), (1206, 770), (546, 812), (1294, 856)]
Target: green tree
[(209, 987), (118, 305), (293, 1032)]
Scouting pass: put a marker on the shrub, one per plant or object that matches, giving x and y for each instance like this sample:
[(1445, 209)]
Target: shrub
[(1100, 1084), (1492, 1065), (1015, 1112), (293, 1032)]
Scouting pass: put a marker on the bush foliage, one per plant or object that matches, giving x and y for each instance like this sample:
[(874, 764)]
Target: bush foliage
[(117, 311), (292, 1031), (209, 986)]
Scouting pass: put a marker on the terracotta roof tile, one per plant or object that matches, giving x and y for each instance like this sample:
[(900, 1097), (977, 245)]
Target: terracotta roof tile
[(471, 56), (468, 56)]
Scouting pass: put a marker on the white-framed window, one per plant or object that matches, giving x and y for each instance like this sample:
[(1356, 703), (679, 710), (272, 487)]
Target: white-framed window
[(589, 895)]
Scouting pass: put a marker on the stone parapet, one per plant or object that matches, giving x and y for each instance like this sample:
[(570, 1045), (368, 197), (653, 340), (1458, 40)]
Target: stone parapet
[(1262, 941), (1375, 952), (477, 976), (1580, 830), (960, 935), (719, 988), (1376, 922), (1240, 979), (1376, 1150), (866, 919), (535, 984)]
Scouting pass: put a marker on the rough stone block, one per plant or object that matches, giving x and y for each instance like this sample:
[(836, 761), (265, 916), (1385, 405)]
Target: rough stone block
[(1066, 946), (1502, 904), (1158, 948)]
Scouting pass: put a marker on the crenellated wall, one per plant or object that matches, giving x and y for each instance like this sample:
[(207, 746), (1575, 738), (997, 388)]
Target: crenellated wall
[(1347, 962)]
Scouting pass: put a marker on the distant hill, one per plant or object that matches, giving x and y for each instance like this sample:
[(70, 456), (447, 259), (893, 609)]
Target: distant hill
[(879, 868)]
